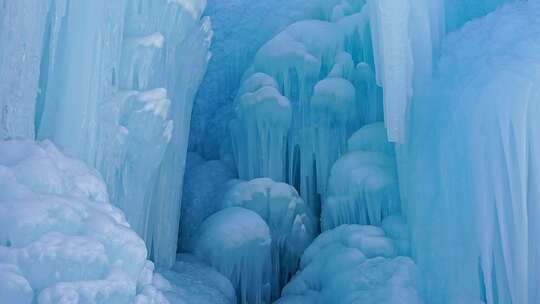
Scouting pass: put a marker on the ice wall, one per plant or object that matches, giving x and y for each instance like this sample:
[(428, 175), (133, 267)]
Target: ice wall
[(472, 162), (113, 83)]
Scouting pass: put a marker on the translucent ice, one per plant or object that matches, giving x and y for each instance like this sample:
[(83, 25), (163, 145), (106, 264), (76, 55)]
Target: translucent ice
[(471, 169), (323, 69)]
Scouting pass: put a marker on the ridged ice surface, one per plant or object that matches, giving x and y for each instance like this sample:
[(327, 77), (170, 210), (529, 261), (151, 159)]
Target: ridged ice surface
[(472, 165)]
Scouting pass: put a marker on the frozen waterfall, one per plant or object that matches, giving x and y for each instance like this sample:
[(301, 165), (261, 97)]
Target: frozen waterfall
[(269, 151)]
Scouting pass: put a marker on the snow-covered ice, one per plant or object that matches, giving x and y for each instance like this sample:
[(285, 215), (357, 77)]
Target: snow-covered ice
[(60, 238)]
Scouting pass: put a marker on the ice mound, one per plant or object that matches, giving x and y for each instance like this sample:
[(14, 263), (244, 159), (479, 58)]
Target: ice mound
[(60, 238), (291, 222), (237, 242), (203, 182), (191, 281), (353, 264), (362, 189)]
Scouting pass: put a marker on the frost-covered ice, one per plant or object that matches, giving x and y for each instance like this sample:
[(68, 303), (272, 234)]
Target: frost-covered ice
[(353, 264), (291, 222), (60, 238), (237, 242)]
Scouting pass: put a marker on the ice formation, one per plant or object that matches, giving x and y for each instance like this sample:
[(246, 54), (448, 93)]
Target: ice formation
[(191, 281), (60, 238), (113, 83), (415, 116), (353, 264), (363, 185), (476, 188), (291, 222), (237, 242), (320, 94)]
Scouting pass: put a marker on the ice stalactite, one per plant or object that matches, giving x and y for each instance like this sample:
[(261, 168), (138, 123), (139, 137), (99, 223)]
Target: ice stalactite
[(323, 70), (291, 222), (112, 83), (260, 131), (237, 242)]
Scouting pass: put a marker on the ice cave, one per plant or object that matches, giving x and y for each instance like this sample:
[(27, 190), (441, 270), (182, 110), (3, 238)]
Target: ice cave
[(269, 151)]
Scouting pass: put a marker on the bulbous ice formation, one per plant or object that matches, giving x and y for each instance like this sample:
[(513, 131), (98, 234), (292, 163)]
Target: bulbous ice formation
[(237, 242), (260, 131), (311, 64), (351, 264), (60, 238), (362, 189), (292, 224)]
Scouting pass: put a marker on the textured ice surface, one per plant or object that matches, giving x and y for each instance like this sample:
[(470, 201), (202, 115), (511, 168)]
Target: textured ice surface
[(60, 238), (363, 185), (191, 281), (113, 83), (353, 264), (472, 164), (237, 242), (291, 222)]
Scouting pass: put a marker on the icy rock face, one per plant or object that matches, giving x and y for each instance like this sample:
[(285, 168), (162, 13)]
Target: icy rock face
[(478, 188), (237, 242), (113, 83), (60, 238), (363, 185), (291, 222), (353, 264), (204, 182), (191, 281), (316, 84)]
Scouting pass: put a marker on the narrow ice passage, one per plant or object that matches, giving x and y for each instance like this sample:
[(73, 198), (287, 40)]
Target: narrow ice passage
[(257, 152)]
